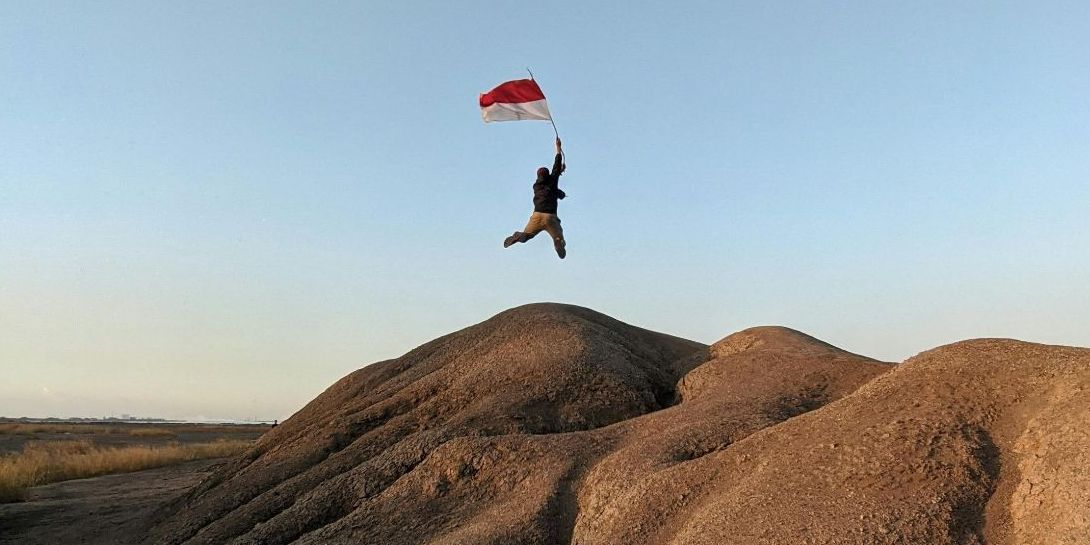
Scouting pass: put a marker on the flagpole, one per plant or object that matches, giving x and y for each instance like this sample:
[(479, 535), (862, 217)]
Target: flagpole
[(550, 113), (557, 133)]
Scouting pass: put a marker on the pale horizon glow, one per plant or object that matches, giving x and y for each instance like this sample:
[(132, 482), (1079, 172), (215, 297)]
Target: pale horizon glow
[(218, 210)]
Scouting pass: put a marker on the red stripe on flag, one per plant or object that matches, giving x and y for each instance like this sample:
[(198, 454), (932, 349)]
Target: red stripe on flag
[(520, 90)]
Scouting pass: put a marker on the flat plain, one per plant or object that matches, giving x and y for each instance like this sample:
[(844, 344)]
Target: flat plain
[(114, 503)]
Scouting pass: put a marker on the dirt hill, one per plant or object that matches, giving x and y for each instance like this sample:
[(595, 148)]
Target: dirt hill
[(555, 424)]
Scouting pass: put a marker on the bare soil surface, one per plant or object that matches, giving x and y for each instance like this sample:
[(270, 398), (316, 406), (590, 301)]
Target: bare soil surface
[(108, 510), (554, 424)]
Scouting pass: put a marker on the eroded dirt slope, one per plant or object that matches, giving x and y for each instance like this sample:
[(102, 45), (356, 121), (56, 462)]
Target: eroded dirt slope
[(537, 369), (555, 424)]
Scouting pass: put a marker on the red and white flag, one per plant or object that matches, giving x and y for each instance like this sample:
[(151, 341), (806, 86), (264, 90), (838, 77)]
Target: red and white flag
[(513, 101)]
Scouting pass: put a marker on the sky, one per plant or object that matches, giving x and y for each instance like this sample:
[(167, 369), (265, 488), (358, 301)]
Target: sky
[(217, 209)]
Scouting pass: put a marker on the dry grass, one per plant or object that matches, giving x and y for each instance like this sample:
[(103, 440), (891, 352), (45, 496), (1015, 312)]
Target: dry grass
[(31, 429), (135, 430), (151, 432), (43, 462)]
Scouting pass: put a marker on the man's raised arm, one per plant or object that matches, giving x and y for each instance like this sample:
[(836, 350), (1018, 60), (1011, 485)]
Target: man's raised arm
[(558, 163)]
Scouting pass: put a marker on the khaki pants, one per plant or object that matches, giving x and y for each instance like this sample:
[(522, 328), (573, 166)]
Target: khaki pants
[(540, 221)]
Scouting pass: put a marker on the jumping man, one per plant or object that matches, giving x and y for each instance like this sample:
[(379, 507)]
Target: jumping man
[(544, 217)]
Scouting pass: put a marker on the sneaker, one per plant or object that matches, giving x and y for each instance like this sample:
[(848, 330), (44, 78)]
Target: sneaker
[(507, 242)]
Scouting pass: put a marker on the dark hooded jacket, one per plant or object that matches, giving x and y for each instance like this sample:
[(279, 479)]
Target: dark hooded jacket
[(546, 191)]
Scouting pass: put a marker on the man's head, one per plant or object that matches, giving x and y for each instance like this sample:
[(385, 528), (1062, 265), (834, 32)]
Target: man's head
[(542, 172)]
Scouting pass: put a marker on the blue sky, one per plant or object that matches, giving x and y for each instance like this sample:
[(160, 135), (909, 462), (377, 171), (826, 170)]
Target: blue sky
[(217, 209)]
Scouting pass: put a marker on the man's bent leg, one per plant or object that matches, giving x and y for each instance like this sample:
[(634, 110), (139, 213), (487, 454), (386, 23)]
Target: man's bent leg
[(557, 232), (538, 222), (534, 226)]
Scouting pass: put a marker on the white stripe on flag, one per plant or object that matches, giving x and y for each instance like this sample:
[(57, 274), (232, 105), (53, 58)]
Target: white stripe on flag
[(515, 111)]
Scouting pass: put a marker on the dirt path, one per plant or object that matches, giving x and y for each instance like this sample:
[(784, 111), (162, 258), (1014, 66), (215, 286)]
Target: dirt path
[(104, 510)]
